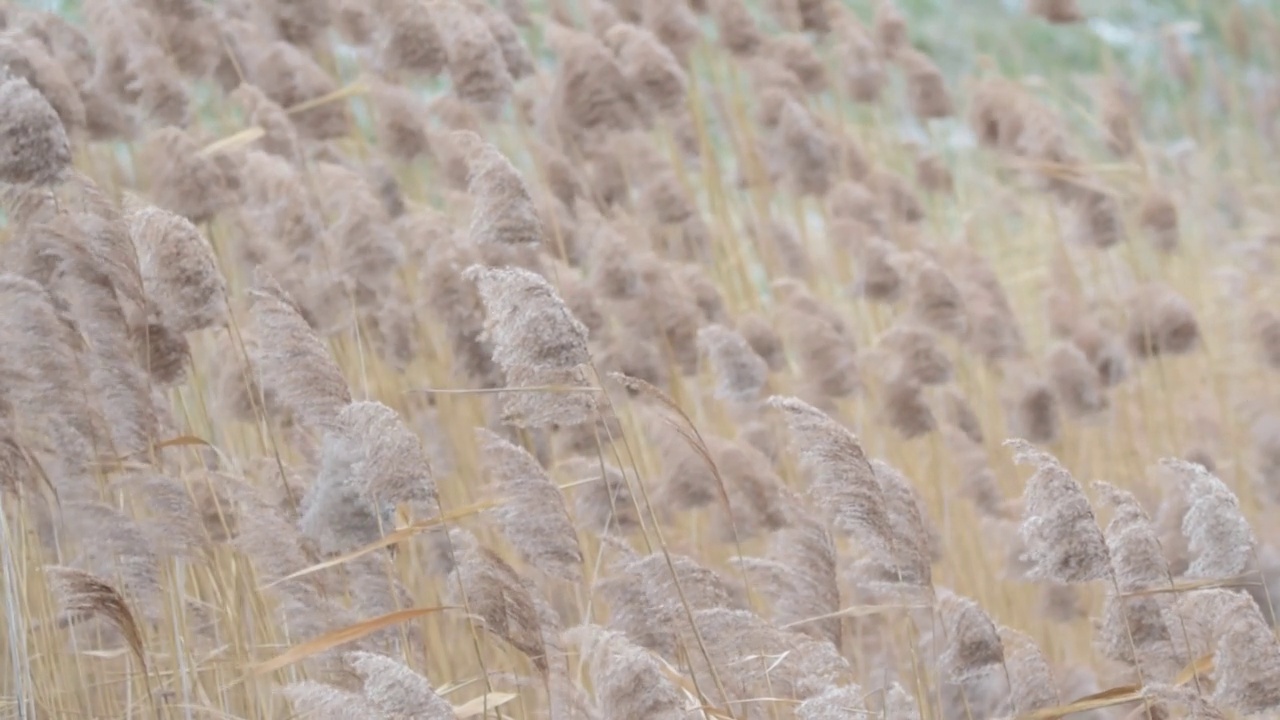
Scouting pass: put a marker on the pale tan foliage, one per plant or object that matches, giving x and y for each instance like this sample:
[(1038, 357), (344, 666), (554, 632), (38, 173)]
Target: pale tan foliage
[(738, 30), (836, 703), (503, 213), (291, 77), (319, 700), (250, 415), (409, 39), (27, 57), (1217, 533), (1031, 684), (476, 62), (180, 178), (927, 93), (1161, 322), (799, 576)]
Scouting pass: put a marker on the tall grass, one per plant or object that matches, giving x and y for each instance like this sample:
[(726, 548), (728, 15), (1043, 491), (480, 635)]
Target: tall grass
[(639, 359)]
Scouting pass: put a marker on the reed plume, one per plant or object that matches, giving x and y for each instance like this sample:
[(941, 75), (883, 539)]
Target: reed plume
[(1064, 543), (179, 270), (409, 39), (627, 679), (538, 343), (396, 690), (293, 361), (498, 597), (82, 595), (476, 63), (504, 213), (841, 479), (973, 641), (182, 179), (36, 148), (741, 374), (1217, 533), (533, 514), (1246, 654)]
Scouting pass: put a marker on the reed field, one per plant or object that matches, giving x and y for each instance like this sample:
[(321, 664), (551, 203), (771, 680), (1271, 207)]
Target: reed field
[(639, 359)]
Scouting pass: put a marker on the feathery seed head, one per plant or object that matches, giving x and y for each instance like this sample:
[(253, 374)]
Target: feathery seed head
[(35, 145), (533, 513), (538, 343), (973, 642), (1064, 543), (741, 374), (179, 270), (1217, 533), (504, 213), (292, 360)]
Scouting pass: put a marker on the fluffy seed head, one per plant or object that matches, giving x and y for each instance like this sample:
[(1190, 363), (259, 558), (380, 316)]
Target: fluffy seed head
[(179, 270), (292, 360), (1075, 381), (475, 60), (927, 92), (504, 213), (390, 463), (532, 514), (740, 373), (1056, 11), (1031, 683), (738, 30), (396, 690), (498, 597), (181, 179), (1246, 659), (841, 479), (627, 678), (973, 642), (1217, 533), (35, 145), (535, 338), (410, 41), (1161, 322), (1063, 541), (81, 595), (835, 703)]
